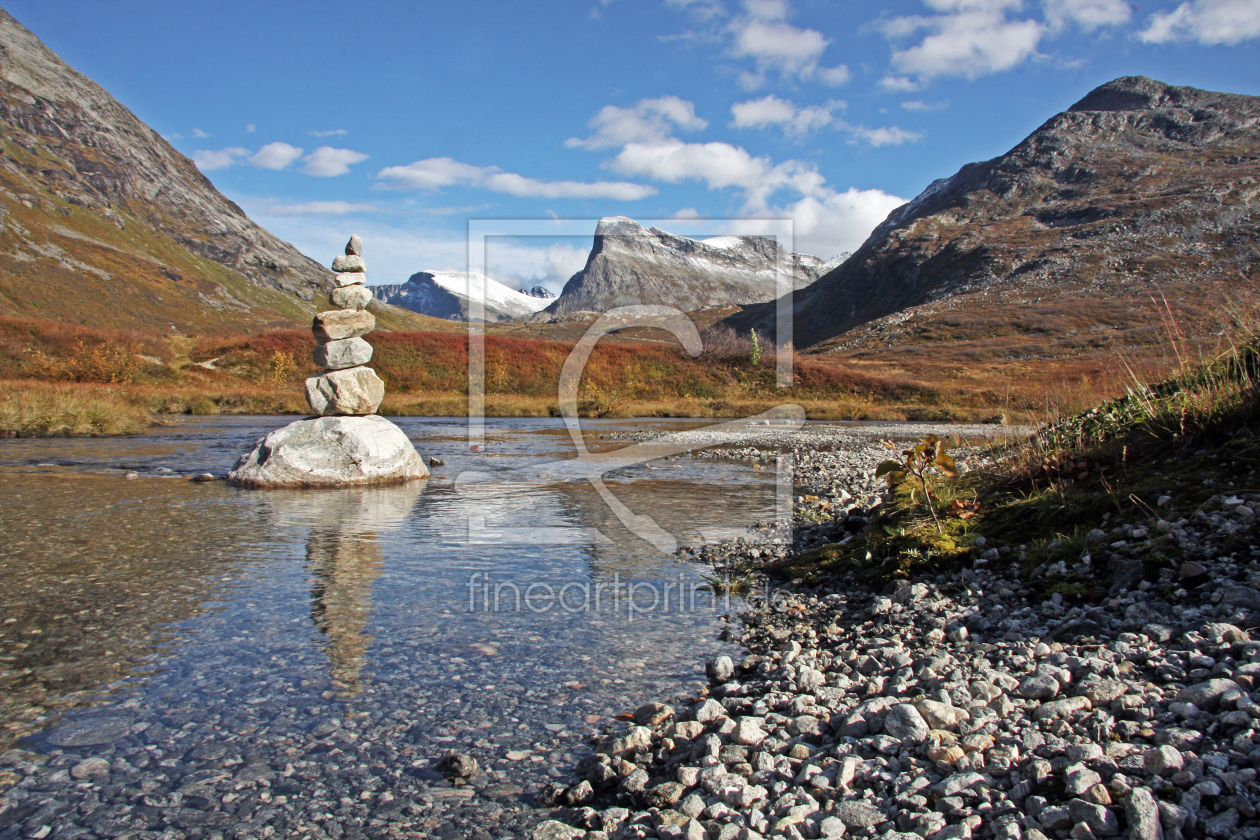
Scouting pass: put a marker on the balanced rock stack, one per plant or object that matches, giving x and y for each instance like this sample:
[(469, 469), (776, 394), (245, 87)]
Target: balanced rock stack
[(348, 445), (346, 386)]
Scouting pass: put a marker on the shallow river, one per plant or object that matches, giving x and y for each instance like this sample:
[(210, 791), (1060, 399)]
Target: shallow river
[(180, 656)]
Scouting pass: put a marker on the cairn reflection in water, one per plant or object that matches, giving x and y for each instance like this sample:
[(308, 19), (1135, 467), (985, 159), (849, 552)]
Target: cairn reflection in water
[(344, 559)]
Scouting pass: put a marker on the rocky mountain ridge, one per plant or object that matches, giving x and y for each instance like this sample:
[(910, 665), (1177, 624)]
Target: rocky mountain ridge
[(1140, 189), (96, 206), (450, 294), (631, 264)]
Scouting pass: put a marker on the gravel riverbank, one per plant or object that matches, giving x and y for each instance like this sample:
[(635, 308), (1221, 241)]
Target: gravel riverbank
[(958, 706)]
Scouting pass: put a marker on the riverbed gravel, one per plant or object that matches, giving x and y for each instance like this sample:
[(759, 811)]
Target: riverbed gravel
[(948, 707)]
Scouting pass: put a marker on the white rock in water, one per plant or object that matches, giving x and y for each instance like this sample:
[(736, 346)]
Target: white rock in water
[(356, 296), (342, 323), (350, 263), (351, 278), (330, 452), (355, 246), (356, 390), (339, 355)]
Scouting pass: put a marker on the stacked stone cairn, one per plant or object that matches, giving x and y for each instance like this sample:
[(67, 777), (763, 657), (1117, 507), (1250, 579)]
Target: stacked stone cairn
[(347, 444), (347, 386)]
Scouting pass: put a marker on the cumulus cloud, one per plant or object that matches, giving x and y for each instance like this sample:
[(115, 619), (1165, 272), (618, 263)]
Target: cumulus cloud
[(327, 162), (1210, 22), (249, 129), (275, 156), (519, 265), (208, 160), (834, 222), (773, 111), (763, 34), (336, 132), (703, 10), (437, 173), (921, 106), (1087, 14), (970, 38), (646, 120), (199, 134)]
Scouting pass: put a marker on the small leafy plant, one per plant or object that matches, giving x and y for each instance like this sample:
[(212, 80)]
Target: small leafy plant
[(926, 457), (755, 357)]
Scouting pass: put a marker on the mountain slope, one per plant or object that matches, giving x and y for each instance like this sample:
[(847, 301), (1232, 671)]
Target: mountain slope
[(449, 294), (630, 264), (1139, 185), (101, 219)]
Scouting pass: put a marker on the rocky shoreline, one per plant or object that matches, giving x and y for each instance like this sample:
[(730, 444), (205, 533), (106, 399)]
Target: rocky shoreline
[(960, 705)]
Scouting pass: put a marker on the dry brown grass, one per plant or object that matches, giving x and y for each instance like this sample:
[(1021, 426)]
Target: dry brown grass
[(37, 409)]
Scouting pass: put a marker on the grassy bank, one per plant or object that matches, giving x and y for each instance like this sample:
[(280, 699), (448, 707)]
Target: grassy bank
[(426, 373), (34, 409), (1158, 453)]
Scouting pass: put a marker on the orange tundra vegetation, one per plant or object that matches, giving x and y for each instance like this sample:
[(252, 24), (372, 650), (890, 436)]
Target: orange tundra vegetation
[(426, 373)]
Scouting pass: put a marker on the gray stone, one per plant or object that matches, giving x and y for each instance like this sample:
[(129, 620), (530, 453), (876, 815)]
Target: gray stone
[(710, 710), (941, 715), (88, 767), (457, 765), (720, 669), (356, 296), (1207, 695), (663, 795), (905, 723), (652, 714), (1142, 814), (636, 737), (349, 264), (1062, 708), (555, 830), (330, 452), (1039, 687), (339, 355), (1241, 596), (858, 814), (355, 246), (90, 733), (1163, 761), (748, 732), (342, 323), (353, 391), (1101, 820), (350, 279)]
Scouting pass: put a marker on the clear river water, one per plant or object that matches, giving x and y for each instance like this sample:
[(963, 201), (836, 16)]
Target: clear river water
[(188, 659)]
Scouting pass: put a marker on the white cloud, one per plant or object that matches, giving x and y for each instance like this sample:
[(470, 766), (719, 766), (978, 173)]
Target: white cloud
[(1088, 14), (275, 156), (517, 265), (437, 173), (199, 134), (1210, 22), (311, 208), (971, 38), (327, 162), (899, 84), (703, 10), (924, 107), (775, 45), (336, 132), (647, 120), (209, 160), (773, 111), (827, 224), (886, 136), (249, 129)]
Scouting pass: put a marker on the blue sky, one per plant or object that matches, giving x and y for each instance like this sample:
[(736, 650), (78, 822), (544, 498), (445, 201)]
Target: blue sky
[(401, 120)]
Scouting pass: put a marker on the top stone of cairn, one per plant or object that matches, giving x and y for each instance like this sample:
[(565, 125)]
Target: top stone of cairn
[(354, 248)]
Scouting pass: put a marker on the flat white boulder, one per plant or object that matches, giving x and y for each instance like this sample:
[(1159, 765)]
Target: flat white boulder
[(330, 452)]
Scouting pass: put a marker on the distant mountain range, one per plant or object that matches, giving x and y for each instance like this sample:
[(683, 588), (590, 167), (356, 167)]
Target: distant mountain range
[(1140, 192), (631, 264), (451, 295)]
